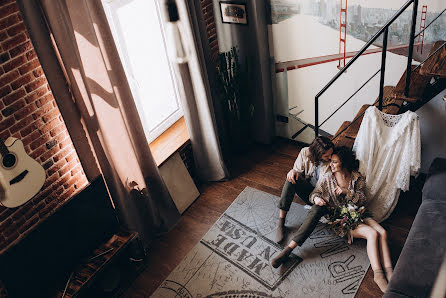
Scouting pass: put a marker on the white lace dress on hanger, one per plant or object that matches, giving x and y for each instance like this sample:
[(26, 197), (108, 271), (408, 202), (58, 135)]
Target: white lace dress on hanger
[(388, 149)]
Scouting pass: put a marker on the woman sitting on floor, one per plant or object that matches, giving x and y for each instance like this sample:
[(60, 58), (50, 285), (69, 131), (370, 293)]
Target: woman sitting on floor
[(341, 185)]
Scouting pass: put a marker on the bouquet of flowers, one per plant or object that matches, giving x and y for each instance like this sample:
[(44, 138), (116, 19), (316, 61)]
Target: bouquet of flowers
[(344, 218)]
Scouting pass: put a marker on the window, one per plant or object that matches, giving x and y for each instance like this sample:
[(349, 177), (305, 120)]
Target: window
[(140, 38)]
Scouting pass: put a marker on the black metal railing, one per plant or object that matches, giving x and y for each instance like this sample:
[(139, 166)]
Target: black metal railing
[(411, 42), (351, 96), (383, 30), (380, 98), (383, 69)]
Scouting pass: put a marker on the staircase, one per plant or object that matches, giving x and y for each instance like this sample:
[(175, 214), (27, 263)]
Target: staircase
[(425, 82), (417, 85)]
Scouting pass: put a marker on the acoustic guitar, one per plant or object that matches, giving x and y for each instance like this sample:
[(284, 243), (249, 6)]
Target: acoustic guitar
[(21, 177)]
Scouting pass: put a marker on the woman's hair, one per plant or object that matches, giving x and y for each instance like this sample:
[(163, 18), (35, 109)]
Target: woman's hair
[(318, 147), (347, 158)]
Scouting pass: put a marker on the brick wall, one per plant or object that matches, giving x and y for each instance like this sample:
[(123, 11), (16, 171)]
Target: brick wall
[(29, 112), (207, 8)]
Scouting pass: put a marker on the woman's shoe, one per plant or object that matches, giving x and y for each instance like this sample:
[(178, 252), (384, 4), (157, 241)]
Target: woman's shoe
[(281, 257)]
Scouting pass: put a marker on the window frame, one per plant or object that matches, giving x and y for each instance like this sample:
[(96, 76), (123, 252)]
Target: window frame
[(110, 8)]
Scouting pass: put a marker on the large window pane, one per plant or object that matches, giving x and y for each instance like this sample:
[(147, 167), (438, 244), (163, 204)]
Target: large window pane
[(139, 36)]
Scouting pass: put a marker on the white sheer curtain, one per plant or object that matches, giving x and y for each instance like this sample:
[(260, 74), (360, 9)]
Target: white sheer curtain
[(195, 93), (99, 92)]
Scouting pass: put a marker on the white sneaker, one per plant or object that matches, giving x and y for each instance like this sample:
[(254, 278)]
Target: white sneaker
[(308, 207)]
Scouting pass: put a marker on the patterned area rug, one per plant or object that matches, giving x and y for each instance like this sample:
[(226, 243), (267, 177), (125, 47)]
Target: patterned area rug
[(233, 258)]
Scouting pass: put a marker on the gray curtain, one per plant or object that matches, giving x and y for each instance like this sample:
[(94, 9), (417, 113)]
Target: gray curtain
[(197, 99), (113, 142), (252, 42)]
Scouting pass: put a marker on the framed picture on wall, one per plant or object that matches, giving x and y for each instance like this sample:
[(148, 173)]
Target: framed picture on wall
[(233, 12)]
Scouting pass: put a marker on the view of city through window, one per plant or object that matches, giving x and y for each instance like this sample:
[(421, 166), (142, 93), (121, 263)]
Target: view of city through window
[(362, 21)]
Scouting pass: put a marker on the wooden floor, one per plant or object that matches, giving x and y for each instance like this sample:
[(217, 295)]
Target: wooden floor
[(264, 168)]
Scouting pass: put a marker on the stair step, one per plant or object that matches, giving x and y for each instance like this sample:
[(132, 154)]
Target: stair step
[(388, 96), (344, 125), (341, 139), (436, 65), (391, 104), (388, 92), (392, 98), (362, 110), (392, 110), (418, 84), (401, 97), (352, 131), (344, 141)]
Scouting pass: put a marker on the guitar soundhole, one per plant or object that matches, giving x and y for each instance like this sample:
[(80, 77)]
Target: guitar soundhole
[(9, 160)]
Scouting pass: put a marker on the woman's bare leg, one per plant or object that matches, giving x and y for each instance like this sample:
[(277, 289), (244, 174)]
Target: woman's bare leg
[(383, 246), (366, 232)]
